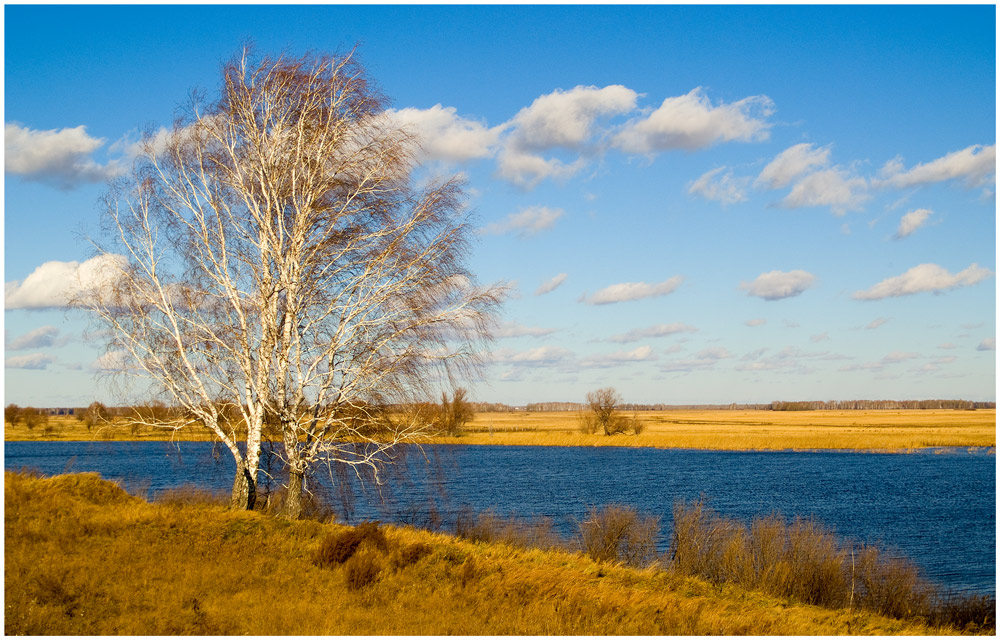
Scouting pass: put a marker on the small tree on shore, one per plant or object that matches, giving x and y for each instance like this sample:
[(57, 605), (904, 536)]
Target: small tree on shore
[(12, 414), (455, 412), (605, 414)]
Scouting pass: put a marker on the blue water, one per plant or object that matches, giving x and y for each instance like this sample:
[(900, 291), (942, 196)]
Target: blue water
[(936, 507)]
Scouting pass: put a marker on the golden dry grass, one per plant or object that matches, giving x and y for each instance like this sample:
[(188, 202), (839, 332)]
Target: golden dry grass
[(83, 557), (892, 430), (740, 430)]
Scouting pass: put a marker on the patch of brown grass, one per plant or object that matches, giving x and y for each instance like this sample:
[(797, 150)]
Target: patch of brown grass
[(83, 557)]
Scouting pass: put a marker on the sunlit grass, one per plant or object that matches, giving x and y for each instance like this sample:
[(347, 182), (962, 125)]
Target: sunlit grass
[(741, 430), (893, 430), (84, 557)]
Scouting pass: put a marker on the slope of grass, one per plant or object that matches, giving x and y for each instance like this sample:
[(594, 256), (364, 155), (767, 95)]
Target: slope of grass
[(893, 430), (84, 557)]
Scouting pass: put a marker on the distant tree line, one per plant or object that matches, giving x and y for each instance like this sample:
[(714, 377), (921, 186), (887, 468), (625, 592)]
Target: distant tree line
[(870, 405)]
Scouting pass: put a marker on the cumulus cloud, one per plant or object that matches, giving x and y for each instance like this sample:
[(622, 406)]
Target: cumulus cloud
[(55, 284), (527, 170), (567, 119), (550, 285), (899, 356), (923, 278), (111, 361), (912, 221), (988, 344), (444, 135), (790, 164), (756, 322), (691, 122), (655, 331), (35, 339), (60, 157), (515, 330), (723, 187), (975, 165), (788, 359), (526, 222), (31, 361), (639, 354), (775, 285), (564, 120), (627, 291), (834, 188)]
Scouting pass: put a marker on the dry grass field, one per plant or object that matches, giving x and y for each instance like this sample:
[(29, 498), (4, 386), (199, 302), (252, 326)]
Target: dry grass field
[(740, 430), (893, 430), (116, 564)]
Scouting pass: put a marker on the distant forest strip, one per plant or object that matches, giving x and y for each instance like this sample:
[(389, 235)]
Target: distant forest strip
[(778, 405)]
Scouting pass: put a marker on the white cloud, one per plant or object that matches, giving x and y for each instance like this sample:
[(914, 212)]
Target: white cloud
[(691, 122), (723, 188), (526, 222), (819, 337), (515, 330), (567, 119), (976, 165), (988, 344), (539, 356), (834, 188), (876, 323), (790, 164), (756, 322), (639, 354), (627, 291), (704, 359), (57, 156), (55, 284), (31, 361), (526, 170), (912, 221), (35, 339), (655, 331), (775, 285), (550, 285), (559, 120), (111, 361), (947, 345), (899, 356), (444, 135), (923, 278)]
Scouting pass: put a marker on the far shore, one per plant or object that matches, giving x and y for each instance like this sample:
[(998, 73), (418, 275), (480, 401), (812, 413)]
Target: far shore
[(863, 430)]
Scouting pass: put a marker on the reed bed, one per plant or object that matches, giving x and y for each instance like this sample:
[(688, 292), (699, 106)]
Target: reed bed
[(84, 557)]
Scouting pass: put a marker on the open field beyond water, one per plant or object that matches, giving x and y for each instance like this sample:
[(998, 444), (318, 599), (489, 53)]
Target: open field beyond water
[(694, 429)]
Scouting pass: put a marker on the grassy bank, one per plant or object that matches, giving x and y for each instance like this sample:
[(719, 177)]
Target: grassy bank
[(84, 557), (894, 430)]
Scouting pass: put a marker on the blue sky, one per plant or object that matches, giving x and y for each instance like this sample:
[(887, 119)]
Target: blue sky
[(695, 204)]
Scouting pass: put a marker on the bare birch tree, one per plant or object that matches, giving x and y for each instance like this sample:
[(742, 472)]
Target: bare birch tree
[(272, 261)]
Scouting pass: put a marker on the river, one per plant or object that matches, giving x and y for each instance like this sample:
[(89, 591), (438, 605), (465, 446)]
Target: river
[(936, 506)]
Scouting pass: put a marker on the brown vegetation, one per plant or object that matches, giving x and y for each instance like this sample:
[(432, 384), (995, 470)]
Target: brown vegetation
[(115, 564)]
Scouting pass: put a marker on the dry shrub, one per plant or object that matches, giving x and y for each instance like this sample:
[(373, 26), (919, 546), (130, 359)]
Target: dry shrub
[(587, 423), (890, 586), (411, 554), (805, 561), (619, 533), (362, 569), (338, 548), (970, 613), (535, 533)]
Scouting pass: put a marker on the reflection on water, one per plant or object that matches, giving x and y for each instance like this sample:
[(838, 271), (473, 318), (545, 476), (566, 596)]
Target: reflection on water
[(936, 507)]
